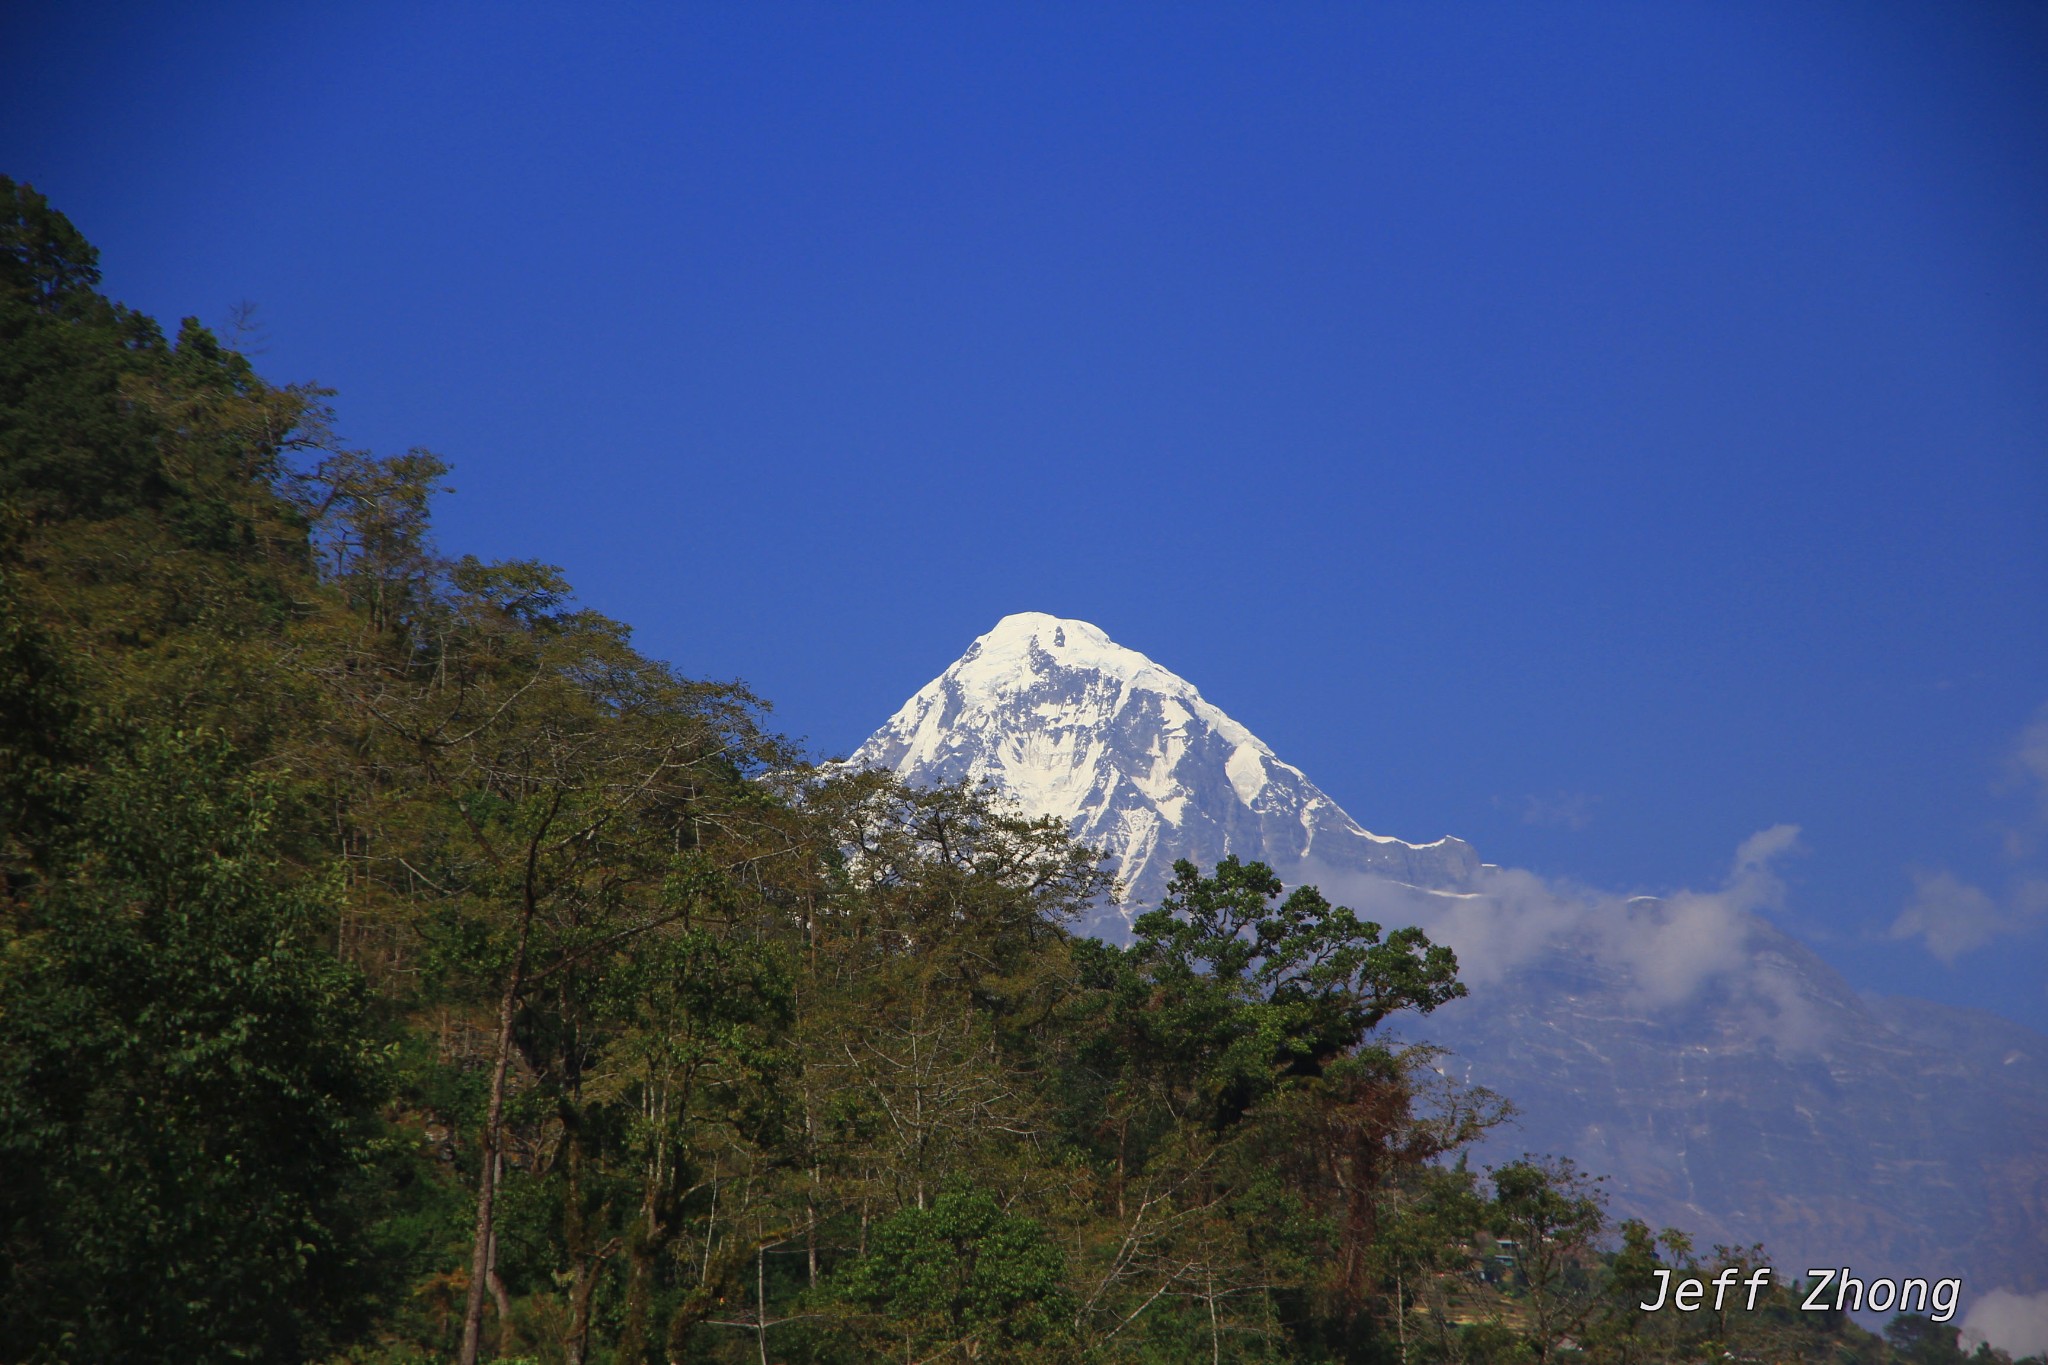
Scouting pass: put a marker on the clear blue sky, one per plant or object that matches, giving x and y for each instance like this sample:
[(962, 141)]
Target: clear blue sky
[(1599, 431)]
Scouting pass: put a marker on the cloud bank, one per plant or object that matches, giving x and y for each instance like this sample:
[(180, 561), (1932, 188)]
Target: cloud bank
[(2030, 758), (1666, 951), (1953, 917), (2014, 1323)]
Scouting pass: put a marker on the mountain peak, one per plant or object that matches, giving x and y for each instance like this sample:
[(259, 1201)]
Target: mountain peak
[(1026, 644), (1067, 722)]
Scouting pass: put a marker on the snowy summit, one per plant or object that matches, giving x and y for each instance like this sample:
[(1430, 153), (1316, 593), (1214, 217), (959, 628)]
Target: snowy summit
[(1068, 722)]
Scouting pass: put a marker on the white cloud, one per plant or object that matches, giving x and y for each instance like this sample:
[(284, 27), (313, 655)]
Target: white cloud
[(1666, 950), (2014, 1323), (1754, 854), (2030, 756), (1953, 917)]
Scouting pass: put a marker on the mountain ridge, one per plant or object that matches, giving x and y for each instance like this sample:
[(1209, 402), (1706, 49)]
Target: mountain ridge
[(1725, 1076)]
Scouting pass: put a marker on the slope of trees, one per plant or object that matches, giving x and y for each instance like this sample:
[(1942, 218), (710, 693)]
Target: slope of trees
[(395, 965)]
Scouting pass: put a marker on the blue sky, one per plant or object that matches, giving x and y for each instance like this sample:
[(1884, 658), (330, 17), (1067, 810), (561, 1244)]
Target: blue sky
[(1599, 431)]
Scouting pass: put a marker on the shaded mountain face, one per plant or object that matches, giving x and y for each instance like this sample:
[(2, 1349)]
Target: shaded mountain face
[(1725, 1079), (1895, 1136), (1067, 722)]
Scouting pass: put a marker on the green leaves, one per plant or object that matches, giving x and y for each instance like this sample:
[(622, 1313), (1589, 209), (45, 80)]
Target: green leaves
[(1239, 993), (187, 1084), (42, 257), (1305, 949), (965, 1276)]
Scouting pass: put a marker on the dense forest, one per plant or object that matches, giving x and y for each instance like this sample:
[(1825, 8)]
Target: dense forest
[(396, 966)]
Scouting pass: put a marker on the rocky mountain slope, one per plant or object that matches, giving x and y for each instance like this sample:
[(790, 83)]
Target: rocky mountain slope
[(1726, 1079), (1844, 1131), (1070, 723)]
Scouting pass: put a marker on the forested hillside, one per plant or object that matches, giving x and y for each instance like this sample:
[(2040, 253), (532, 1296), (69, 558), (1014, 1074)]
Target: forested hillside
[(395, 965)]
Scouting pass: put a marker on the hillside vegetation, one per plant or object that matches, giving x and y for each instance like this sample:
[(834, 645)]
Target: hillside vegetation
[(395, 965)]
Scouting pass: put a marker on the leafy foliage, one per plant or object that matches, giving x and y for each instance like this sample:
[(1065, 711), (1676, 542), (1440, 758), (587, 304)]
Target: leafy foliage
[(963, 1276), (187, 1086)]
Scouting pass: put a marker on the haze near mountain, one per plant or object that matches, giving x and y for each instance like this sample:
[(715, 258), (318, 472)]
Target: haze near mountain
[(1727, 1080)]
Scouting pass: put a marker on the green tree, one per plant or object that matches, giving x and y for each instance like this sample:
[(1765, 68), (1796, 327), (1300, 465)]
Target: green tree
[(1218, 1076), (1553, 1215), (1426, 1239), (1250, 993), (1619, 1330), (71, 444), (187, 1086), (962, 1279), (39, 738), (541, 805), (1920, 1340), (1365, 1140)]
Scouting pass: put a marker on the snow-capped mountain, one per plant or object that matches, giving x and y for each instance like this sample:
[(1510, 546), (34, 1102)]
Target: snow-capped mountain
[(1068, 722), (1725, 1077)]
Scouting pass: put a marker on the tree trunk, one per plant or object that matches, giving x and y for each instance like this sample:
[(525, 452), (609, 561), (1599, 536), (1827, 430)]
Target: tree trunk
[(1363, 1171), (639, 1285), (588, 1270), (480, 1271), (1401, 1315), (588, 1260), (500, 1296), (1215, 1334), (655, 1228), (810, 1195)]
